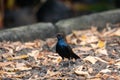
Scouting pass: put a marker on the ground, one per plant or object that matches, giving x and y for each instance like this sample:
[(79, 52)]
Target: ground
[(99, 52)]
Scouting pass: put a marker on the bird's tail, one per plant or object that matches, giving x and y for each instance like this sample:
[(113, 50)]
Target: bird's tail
[(75, 56)]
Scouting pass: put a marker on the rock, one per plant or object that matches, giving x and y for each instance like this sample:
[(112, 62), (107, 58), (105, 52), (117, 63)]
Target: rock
[(28, 33), (84, 22)]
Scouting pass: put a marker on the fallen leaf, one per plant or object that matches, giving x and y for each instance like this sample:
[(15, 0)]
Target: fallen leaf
[(36, 54), (18, 57), (105, 71), (101, 51), (51, 73), (51, 42), (94, 79), (91, 59), (84, 48), (57, 60), (99, 59), (16, 69), (101, 44), (82, 73), (3, 64), (79, 71), (93, 45), (117, 63)]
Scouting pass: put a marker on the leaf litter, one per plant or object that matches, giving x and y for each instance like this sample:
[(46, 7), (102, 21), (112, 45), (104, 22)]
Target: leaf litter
[(99, 52)]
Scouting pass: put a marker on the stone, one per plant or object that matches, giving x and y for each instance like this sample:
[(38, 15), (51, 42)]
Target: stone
[(28, 33), (84, 22)]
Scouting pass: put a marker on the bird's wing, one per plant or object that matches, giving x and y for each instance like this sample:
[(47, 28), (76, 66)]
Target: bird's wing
[(57, 48), (71, 53)]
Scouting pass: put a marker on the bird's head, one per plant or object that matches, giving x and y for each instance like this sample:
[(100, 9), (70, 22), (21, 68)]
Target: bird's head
[(60, 36)]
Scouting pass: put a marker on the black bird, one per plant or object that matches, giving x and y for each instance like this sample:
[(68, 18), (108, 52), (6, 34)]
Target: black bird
[(63, 49)]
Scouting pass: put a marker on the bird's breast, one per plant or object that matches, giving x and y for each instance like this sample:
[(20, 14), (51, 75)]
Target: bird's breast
[(62, 43)]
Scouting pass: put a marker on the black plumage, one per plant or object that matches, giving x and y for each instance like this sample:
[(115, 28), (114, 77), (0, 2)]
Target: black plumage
[(63, 49)]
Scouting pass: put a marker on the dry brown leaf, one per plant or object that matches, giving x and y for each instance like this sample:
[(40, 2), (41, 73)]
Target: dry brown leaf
[(51, 73), (74, 41), (18, 57), (36, 43), (113, 32), (91, 59), (111, 61), (94, 79), (117, 63), (83, 38), (101, 51), (93, 45), (20, 65), (5, 72), (34, 54), (92, 39), (23, 68), (79, 71), (18, 76), (101, 44), (76, 33), (116, 33), (87, 39), (105, 76), (3, 64), (18, 48), (82, 73), (68, 38), (16, 69), (84, 48), (51, 42), (6, 55), (99, 59), (105, 71), (99, 75), (57, 60)]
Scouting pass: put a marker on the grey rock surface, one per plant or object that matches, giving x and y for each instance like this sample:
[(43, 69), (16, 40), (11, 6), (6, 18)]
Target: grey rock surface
[(28, 33), (97, 19), (45, 30)]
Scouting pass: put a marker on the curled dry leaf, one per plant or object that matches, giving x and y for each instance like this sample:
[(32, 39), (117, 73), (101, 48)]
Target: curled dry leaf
[(99, 59), (91, 59), (113, 32), (35, 44), (36, 54), (82, 73), (3, 64), (51, 73), (16, 69), (116, 33), (57, 60), (79, 71), (117, 63), (105, 71), (101, 51), (18, 57), (74, 41)]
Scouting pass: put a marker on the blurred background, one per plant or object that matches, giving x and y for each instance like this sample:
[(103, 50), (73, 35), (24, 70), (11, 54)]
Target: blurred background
[(15, 13)]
